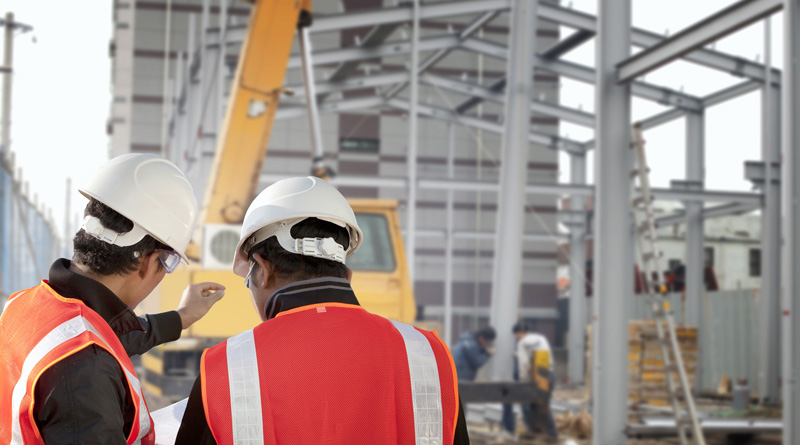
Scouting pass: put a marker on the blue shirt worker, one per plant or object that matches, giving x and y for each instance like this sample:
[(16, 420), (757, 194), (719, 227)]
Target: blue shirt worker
[(473, 351)]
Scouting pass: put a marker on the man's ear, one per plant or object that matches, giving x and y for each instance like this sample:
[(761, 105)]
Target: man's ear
[(148, 263), (264, 272), (349, 275)]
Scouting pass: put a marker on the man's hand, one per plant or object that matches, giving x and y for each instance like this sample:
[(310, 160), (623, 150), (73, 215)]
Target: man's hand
[(196, 300)]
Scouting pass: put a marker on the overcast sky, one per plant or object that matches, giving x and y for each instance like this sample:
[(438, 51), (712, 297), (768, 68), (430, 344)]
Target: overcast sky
[(62, 94)]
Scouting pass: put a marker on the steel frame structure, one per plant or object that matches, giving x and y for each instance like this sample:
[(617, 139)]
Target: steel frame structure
[(615, 77)]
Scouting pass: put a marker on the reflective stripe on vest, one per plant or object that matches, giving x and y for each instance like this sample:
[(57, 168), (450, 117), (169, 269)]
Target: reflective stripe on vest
[(426, 395), (62, 333), (245, 389)]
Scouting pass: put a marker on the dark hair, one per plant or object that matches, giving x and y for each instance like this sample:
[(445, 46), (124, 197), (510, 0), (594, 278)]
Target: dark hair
[(107, 259), (487, 333), (520, 326), (294, 267)]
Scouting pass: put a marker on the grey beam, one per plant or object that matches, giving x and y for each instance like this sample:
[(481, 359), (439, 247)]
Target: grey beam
[(734, 65), (550, 141), (710, 29), (495, 87), (472, 89), (576, 362), (375, 37), (769, 301), (740, 89), (708, 213), (612, 279), (352, 83), (790, 183), (436, 57), (330, 107), (658, 94), (566, 45)]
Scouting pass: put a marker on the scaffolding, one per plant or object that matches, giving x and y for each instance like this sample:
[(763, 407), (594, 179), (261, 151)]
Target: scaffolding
[(617, 76)]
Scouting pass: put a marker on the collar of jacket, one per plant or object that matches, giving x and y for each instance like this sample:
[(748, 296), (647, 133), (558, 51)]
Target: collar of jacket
[(99, 298), (307, 292)]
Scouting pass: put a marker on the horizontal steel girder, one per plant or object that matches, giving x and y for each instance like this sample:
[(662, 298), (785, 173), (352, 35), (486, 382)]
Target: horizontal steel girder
[(734, 65), (742, 198), (695, 36)]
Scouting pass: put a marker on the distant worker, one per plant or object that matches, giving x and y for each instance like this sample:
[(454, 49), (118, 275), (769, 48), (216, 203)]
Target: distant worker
[(319, 368), (535, 364), (472, 351), (65, 372)]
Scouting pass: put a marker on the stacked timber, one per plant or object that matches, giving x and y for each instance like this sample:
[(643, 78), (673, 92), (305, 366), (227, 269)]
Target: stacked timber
[(647, 377)]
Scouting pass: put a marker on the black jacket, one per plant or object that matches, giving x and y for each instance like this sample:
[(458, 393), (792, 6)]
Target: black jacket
[(84, 398), (194, 428)]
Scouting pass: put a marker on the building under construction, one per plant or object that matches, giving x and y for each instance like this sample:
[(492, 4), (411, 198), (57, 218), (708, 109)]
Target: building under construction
[(447, 115)]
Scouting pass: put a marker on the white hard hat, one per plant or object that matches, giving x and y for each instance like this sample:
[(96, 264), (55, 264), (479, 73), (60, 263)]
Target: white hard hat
[(287, 202), (150, 191)]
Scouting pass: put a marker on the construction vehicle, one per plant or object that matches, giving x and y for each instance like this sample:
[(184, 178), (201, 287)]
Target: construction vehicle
[(380, 279)]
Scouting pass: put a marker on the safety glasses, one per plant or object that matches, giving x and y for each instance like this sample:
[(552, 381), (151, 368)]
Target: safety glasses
[(249, 273), (169, 259)]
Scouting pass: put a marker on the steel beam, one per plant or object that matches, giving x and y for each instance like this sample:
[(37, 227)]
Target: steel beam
[(375, 37), (708, 213), (411, 156), (507, 270), (658, 94), (769, 301), (612, 278), (434, 58), (695, 228), (790, 298), (712, 28), (448, 248), (733, 65), (740, 89), (566, 45), (550, 141), (331, 107), (563, 113), (577, 279)]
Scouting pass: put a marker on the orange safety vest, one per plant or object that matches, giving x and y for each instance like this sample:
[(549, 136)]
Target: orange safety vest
[(38, 328), (332, 373)]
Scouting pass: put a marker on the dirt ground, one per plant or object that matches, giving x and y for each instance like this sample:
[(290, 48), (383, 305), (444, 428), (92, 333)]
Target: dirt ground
[(484, 434)]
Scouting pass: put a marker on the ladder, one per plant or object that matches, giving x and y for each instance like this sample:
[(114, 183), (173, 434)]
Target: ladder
[(655, 289)]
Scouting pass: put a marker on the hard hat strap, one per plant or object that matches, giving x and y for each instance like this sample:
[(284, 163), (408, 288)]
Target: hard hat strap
[(93, 227), (326, 248)]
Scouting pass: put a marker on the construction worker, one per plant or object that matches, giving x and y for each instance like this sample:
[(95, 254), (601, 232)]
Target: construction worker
[(65, 372), (531, 344), (472, 351), (319, 368)]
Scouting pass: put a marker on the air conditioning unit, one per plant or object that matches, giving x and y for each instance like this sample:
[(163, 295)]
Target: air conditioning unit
[(219, 244)]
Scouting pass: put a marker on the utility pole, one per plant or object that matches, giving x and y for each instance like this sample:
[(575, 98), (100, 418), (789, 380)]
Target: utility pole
[(6, 172)]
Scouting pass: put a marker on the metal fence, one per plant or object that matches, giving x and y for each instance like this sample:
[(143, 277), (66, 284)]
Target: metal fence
[(730, 338), (28, 237)]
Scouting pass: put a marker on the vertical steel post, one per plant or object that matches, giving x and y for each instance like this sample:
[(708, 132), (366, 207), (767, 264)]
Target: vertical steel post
[(613, 250), (769, 299), (411, 160), (790, 183), (189, 126), (6, 171), (577, 278), (67, 209), (165, 94), (507, 273), (695, 237), (223, 30), (448, 249), (311, 100)]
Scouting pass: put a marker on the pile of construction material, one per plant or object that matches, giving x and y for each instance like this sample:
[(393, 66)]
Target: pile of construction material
[(647, 377)]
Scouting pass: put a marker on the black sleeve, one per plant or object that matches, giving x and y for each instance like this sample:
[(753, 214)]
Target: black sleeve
[(84, 399), (194, 426), (158, 329), (462, 435)]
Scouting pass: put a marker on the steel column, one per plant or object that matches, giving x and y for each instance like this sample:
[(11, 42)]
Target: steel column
[(695, 232), (769, 300), (6, 170), (507, 273), (411, 162), (577, 279), (223, 30), (790, 183), (613, 272), (448, 249), (318, 164)]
